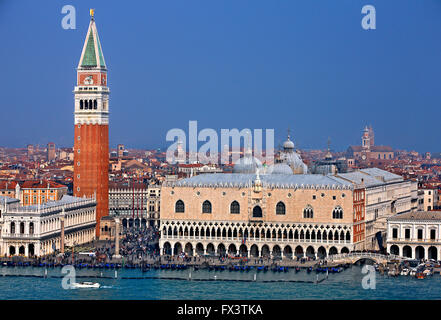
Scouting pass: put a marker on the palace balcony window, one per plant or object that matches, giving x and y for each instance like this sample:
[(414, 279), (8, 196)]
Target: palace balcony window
[(206, 207), (337, 213), (234, 207), (308, 213), (280, 208), (420, 234), (179, 206), (407, 233), (432, 234), (394, 233)]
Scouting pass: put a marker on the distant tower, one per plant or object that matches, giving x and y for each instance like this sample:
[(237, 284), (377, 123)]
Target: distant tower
[(91, 146), (366, 139), (50, 151), (30, 148), (120, 150), (180, 157), (371, 136)]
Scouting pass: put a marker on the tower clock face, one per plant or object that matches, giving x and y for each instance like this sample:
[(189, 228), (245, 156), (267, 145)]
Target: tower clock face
[(88, 80), (363, 157)]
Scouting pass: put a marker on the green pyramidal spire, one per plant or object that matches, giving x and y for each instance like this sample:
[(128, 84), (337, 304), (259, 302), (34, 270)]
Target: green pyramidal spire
[(92, 55)]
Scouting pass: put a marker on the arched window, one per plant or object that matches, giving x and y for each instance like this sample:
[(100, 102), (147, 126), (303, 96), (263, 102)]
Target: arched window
[(22, 227), (81, 104), (86, 105), (206, 207), (308, 212), (234, 207), (179, 206), (257, 212), (90, 104), (337, 213), (95, 104), (31, 228), (12, 227), (280, 208)]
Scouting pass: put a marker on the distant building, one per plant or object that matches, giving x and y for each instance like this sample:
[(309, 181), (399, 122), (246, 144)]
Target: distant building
[(428, 198), (33, 192), (50, 151), (120, 150), (329, 165), (197, 168), (415, 235), (36, 230), (30, 150), (137, 205), (39, 192), (369, 151)]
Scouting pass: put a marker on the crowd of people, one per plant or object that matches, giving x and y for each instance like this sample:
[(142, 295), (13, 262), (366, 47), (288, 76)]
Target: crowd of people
[(140, 244)]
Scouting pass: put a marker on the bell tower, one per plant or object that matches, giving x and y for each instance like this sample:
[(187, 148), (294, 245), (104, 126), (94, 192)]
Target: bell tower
[(91, 145)]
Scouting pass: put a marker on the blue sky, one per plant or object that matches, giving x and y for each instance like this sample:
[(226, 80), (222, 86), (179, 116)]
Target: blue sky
[(303, 64)]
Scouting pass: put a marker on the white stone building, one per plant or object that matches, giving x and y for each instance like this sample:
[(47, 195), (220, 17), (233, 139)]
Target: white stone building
[(387, 194), (415, 234), (37, 230)]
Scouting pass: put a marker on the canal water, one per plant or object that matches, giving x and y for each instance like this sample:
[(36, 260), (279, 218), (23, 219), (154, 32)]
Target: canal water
[(19, 283)]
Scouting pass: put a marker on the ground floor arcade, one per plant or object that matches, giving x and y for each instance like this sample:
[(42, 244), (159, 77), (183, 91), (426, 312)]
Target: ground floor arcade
[(252, 249), (415, 250)]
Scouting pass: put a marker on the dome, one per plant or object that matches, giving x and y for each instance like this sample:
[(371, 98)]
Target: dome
[(288, 145), (294, 161), (247, 164), (281, 168)]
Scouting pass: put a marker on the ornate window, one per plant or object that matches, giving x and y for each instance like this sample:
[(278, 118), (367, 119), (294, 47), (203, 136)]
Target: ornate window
[(337, 213), (308, 212), (280, 208), (179, 206), (206, 207), (234, 207)]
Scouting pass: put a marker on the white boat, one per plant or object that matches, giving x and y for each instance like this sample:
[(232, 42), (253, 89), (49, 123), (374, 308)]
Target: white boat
[(79, 285), (405, 272)]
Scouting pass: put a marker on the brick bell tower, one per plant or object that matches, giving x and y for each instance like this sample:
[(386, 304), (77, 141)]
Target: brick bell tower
[(91, 146)]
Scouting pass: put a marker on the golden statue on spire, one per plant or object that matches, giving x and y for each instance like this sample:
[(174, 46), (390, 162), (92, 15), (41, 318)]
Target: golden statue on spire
[(92, 12)]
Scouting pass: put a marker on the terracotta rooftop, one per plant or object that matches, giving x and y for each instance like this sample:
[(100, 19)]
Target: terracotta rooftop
[(418, 215)]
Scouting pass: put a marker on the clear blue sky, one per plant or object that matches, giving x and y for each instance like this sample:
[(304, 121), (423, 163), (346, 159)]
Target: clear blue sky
[(303, 64)]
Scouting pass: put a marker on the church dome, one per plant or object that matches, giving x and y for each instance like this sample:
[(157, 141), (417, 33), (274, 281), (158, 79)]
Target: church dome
[(247, 164), (294, 161), (288, 145), (281, 168)]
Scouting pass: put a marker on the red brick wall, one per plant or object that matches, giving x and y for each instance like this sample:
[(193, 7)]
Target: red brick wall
[(92, 164), (359, 197)]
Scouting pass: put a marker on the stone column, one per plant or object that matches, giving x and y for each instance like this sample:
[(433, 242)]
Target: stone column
[(117, 255), (62, 216)]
